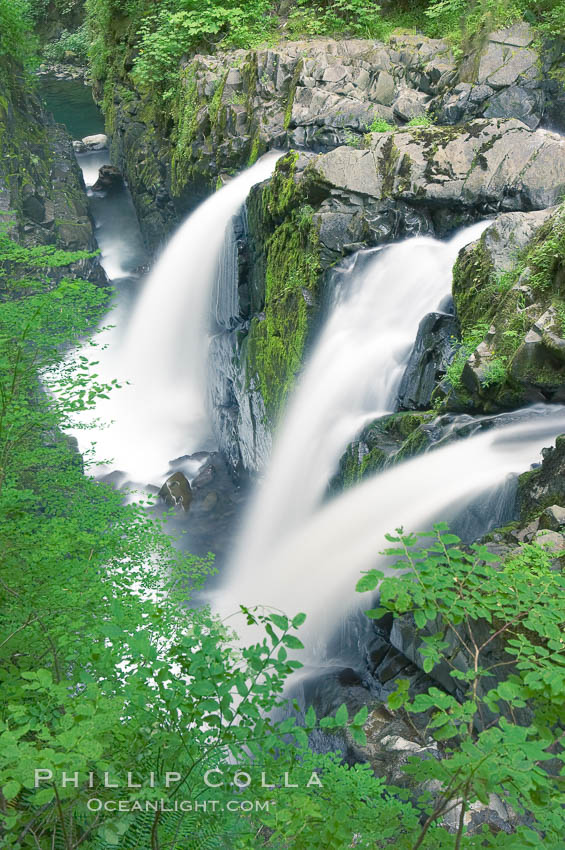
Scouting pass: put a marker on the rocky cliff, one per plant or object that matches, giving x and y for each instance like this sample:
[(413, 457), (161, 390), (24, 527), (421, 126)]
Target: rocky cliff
[(387, 141), (312, 95), (42, 193)]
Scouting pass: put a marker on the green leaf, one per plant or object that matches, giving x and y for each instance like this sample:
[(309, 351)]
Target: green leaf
[(370, 581), (279, 621), (11, 789), (292, 642), (341, 715), (361, 717)]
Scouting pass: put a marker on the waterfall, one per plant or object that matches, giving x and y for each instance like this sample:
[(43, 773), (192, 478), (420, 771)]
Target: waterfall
[(351, 378), (316, 566), (295, 555), (161, 412)]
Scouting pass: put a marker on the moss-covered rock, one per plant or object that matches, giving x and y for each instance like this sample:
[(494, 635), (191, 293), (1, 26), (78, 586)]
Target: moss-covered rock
[(284, 224), (381, 444), (509, 293), (41, 184), (544, 486)]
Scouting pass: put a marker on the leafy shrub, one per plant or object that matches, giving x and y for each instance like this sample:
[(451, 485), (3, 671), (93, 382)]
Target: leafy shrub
[(379, 125), (16, 38), (497, 627), (182, 25), (420, 121), (460, 20), (354, 17), (495, 373), (77, 43)]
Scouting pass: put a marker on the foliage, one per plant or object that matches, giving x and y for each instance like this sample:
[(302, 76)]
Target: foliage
[(360, 18), (546, 257), (495, 373), (460, 21), (497, 627), (180, 25), (16, 38), (63, 8), (471, 339), (420, 121), (379, 125), (76, 43), (106, 671)]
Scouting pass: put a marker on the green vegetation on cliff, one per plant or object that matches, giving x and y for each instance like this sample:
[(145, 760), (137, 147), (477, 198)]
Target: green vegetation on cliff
[(16, 31), (497, 629), (276, 340), (515, 319), (180, 27)]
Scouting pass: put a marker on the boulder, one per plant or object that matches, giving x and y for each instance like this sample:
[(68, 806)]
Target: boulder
[(109, 179), (410, 104), (484, 165), (176, 491), (553, 518), (522, 356), (550, 540), (544, 486), (518, 102), (433, 351), (98, 142), (79, 146)]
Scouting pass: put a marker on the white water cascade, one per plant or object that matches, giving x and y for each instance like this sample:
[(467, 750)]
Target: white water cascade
[(316, 566), (351, 378), (161, 412)]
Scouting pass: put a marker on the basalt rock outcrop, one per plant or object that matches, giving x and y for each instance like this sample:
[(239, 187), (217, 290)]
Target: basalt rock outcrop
[(319, 208), (313, 96), (41, 185), (434, 350), (509, 293), (468, 142)]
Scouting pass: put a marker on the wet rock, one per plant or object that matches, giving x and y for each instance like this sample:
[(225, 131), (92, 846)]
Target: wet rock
[(79, 146), (553, 518), (544, 486), (176, 491), (497, 816), (97, 142), (433, 351), (33, 205), (205, 476), (525, 535), (40, 181), (210, 501), (109, 179)]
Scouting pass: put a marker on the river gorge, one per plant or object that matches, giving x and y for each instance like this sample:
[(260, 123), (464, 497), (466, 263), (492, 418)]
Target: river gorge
[(338, 311)]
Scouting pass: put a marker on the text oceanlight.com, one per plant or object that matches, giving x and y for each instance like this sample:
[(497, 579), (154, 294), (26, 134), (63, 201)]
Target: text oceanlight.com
[(208, 806)]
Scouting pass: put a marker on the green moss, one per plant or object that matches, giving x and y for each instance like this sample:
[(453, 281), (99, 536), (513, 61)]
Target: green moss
[(292, 93), (388, 166), (276, 343), (383, 443), (186, 114), (216, 102), (257, 148), (483, 298), (288, 264)]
